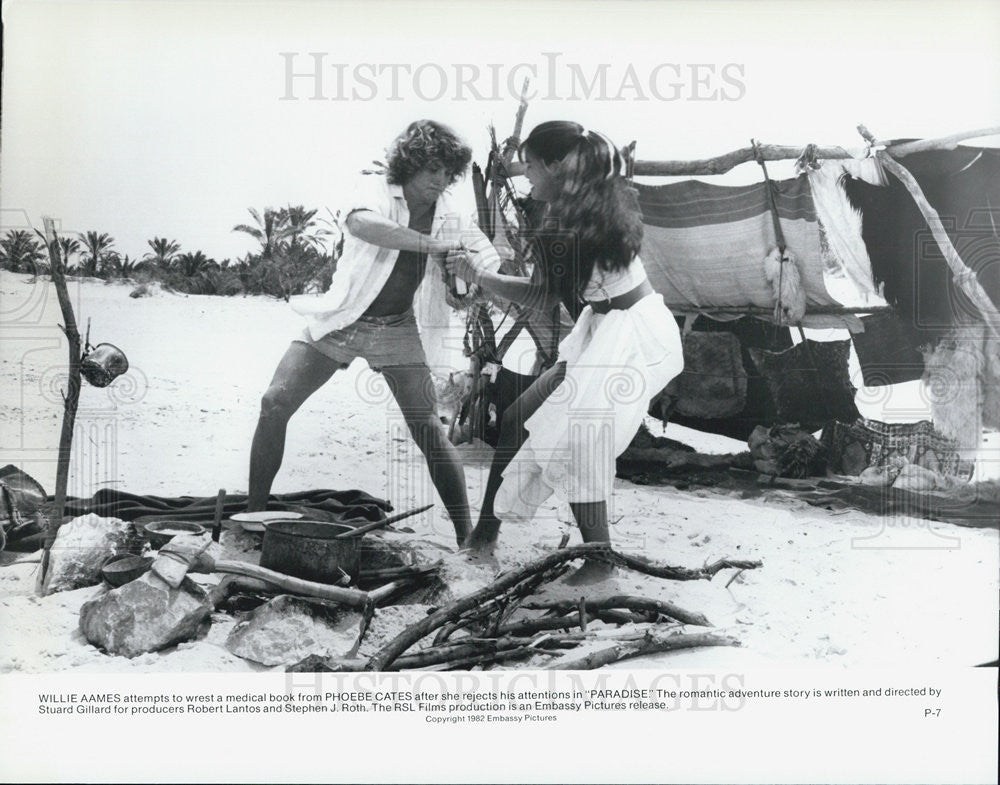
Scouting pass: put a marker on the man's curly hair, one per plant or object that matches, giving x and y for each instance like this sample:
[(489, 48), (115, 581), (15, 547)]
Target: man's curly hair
[(423, 143)]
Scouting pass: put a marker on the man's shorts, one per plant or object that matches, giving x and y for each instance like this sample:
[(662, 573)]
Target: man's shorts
[(383, 341)]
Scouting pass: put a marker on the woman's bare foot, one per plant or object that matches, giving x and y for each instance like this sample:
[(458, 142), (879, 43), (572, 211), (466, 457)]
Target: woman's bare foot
[(590, 573)]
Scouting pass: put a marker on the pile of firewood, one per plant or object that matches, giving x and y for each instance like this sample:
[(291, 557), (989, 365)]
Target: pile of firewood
[(480, 629)]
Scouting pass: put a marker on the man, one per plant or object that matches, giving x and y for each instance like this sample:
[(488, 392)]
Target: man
[(384, 286)]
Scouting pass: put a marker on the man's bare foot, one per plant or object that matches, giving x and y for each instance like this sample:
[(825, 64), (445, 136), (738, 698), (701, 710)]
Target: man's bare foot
[(479, 550), (483, 538), (462, 534), (590, 573)]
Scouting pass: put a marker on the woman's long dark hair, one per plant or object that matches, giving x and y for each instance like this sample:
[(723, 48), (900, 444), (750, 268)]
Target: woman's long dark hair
[(594, 218)]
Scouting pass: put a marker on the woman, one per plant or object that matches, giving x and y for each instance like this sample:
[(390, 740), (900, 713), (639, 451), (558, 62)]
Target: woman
[(567, 429)]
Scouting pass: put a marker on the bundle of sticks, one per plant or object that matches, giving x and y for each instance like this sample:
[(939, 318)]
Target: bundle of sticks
[(479, 629)]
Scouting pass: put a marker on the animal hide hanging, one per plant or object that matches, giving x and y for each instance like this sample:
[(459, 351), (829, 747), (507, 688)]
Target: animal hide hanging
[(990, 383), (888, 350), (963, 186), (810, 383), (786, 283), (951, 378), (713, 382), (841, 224)]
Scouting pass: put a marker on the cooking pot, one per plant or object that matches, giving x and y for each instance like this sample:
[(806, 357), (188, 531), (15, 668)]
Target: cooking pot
[(102, 364), (310, 550)]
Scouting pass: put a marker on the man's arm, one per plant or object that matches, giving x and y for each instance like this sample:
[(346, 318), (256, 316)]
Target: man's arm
[(369, 226)]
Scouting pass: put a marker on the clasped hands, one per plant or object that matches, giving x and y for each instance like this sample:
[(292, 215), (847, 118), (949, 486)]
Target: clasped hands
[(458, 262)]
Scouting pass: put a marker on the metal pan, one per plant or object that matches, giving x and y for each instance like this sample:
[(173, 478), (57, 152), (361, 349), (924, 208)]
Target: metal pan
[(311, 550)]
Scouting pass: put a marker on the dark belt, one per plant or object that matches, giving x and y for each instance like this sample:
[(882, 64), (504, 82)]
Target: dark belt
[(620, 303)]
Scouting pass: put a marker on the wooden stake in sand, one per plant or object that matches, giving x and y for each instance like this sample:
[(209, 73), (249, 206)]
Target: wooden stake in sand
[(70, 398)]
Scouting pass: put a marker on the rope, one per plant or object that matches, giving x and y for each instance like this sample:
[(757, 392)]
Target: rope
[(773, 208), (779, 235)]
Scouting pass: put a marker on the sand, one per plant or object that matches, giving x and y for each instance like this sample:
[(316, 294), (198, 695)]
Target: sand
[(844, 588)]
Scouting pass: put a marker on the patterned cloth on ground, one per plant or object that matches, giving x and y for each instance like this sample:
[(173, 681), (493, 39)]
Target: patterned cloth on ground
[(852, 447)]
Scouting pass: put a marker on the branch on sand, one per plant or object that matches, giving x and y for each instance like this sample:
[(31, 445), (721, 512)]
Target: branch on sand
[(511, 583), (654, 640), (627, 602)]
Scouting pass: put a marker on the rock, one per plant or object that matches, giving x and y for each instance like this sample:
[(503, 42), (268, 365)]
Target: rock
[(81, 548), (288, 629), (24, 511), (145, 615), (316, 664)]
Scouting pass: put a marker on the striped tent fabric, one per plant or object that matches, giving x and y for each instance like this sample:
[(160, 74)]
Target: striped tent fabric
[(704, 245)]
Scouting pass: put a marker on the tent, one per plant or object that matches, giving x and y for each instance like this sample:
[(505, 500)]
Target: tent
[(742, 266)]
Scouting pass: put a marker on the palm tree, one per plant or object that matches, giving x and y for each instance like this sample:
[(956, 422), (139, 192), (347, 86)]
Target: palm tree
[(194, 269), (300, 224), (163, 253), (68, 246), (193, 263), (20, 251), (96, 247), (332, 227), (225, 279), (121, 266), (292, 255), (272, 229)]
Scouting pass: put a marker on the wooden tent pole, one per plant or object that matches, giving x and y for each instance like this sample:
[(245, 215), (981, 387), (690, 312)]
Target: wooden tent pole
[(964, 276), (773, 152), (721, 164), (71, 398), (770, 152), (940, 143)]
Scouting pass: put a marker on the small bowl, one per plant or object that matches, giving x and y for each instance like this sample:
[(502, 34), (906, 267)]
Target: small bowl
[(125, 569), (159, 533)]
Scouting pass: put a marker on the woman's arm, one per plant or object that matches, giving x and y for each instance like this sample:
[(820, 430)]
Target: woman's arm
[(369, 226), (523, 291)]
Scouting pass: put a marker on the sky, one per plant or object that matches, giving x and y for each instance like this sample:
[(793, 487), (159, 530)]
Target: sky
[(153, 118)]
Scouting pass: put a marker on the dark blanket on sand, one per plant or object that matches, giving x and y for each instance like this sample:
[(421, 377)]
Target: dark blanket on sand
[(326, 504), (970, 506), (974, 505)]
